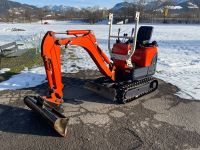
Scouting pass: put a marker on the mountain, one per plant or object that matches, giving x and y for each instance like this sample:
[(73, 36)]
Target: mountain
[(154, 5), (5, 5), (120, 6), (190, 4), (182, 5), (60, 8), (14, 11)]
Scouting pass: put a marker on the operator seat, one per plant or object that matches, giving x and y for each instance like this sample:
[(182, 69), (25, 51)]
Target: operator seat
[(144, 36)]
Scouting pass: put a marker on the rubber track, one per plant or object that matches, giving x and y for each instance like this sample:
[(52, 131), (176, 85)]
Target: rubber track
[(125, 88)]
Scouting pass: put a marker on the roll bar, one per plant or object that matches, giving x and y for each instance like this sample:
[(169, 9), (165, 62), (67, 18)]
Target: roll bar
[(134, 37)]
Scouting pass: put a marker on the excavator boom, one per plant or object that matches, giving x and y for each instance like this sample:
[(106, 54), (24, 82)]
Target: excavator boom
[(49, 106), (51, 53)]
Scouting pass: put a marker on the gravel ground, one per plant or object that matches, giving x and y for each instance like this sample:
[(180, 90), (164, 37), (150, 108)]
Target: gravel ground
[(160, 120)]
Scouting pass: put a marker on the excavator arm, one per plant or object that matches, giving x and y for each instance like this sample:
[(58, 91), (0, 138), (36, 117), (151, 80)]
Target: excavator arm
[(51, 53)]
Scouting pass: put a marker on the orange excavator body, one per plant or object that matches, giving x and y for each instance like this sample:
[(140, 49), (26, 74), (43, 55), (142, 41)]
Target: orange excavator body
[(142, 56), (122, 81), (51, 53)]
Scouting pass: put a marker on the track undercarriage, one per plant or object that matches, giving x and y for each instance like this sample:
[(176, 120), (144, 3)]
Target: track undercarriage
[(122, 92)]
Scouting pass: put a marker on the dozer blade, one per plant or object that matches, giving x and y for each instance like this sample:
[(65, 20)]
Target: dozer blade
[(57, 120), (102, 90)]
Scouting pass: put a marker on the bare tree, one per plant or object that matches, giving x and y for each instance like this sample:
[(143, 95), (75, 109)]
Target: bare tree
[(93, 14), (11, 15), (27, 15), (41, 15)]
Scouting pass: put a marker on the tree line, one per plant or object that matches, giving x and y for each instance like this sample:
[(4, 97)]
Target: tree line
[(95, 14)]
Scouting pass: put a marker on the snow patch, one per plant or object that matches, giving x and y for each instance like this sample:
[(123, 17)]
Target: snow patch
[(192, 6), (178, 63), (4, 70), (120, 23), (174, 7), (27, 78)]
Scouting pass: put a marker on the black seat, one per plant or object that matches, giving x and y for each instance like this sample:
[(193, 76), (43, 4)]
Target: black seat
[(144, 35)]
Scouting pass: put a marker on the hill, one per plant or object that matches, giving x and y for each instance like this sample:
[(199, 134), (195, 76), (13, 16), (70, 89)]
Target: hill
[(5, 5), (159, 4)]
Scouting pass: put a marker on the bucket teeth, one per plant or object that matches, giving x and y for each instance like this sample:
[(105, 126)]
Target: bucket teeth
[(56, 119)]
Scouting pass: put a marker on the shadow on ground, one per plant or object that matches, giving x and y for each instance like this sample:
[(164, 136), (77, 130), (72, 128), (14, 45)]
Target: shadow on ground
[(155, 121), (23, 121), (16, 119), (74, 91)]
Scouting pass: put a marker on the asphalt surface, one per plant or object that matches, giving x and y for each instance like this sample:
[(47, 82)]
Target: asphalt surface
[(158, 121)]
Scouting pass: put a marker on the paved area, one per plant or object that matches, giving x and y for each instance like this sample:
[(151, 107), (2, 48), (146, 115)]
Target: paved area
[(158, 121)]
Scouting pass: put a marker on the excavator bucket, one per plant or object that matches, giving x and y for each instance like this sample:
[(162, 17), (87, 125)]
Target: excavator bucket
[(56, 119)]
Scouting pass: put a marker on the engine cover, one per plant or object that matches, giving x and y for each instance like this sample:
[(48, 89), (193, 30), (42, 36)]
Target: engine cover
[(142, 57)]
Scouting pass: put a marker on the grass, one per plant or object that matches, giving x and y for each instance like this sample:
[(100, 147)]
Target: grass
[(17, 64)]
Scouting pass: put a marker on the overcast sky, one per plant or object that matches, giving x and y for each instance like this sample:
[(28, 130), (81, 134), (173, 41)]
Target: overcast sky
[(76, 3)]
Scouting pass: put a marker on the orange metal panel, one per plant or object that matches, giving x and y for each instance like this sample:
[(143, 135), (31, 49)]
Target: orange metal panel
[(142, 57), (51, 54)]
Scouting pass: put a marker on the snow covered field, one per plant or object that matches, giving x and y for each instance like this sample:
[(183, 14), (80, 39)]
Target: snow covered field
[(179, 53)]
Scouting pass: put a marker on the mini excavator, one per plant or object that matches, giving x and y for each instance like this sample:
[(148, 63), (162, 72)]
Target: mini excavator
[(127, 76)]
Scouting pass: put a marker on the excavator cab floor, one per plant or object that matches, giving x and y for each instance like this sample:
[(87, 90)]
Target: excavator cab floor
[(55, 118)]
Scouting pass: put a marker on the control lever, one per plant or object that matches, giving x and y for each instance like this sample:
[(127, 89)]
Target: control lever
[(125, 35), (132, 32), (131, 40), (118, 40)]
